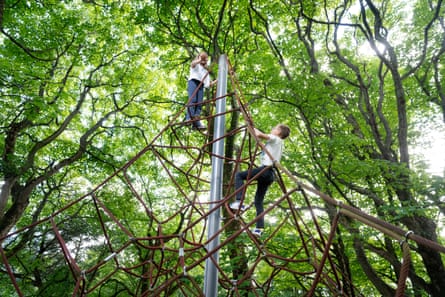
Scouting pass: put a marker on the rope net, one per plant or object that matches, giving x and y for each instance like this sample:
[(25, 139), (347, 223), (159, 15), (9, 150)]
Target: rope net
[(153, 242)]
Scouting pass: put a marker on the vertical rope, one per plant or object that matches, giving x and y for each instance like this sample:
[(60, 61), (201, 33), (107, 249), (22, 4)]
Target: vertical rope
[(404, 270)]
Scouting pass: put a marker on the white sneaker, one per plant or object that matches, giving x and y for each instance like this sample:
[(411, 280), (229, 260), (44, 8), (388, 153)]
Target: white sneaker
[(257, 232), (237, 205), (199, 126)]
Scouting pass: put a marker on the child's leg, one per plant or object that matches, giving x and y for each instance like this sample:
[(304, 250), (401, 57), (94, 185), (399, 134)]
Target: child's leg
[(198, 95), (190, 110), (199, 100), (264, 181), (240, 177)]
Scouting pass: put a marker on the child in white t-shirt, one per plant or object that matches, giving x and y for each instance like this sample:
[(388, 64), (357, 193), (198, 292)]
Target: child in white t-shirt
[(263, 174), (199, 79)]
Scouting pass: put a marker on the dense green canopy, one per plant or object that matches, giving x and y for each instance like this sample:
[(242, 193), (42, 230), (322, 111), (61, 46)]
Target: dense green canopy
[(86, 85)]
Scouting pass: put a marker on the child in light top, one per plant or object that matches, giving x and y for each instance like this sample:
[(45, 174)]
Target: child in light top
[(199, 78), (274, 147)]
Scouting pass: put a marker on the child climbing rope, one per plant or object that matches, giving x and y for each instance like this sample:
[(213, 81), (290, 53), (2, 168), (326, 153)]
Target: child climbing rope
[(263, 174), (199, 79)]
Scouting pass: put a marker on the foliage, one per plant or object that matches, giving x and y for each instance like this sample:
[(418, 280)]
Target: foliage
[(82, 94)]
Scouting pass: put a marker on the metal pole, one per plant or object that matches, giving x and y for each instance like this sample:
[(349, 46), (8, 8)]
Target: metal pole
[(214, 221)]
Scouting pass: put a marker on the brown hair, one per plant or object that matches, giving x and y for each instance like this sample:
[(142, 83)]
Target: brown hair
[(284, 131)]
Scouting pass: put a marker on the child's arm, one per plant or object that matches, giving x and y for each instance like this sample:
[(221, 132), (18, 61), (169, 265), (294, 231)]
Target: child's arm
[(196, 61), (261, 135)]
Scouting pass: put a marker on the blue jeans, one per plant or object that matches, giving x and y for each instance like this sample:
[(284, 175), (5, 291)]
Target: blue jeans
[(264, 180), (194, 106)]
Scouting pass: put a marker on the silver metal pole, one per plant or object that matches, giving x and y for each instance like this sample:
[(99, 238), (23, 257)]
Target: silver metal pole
[(214, 221)]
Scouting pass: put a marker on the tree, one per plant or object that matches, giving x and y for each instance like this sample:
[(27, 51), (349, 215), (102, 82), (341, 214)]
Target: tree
[(73, 90), (353, 79)]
